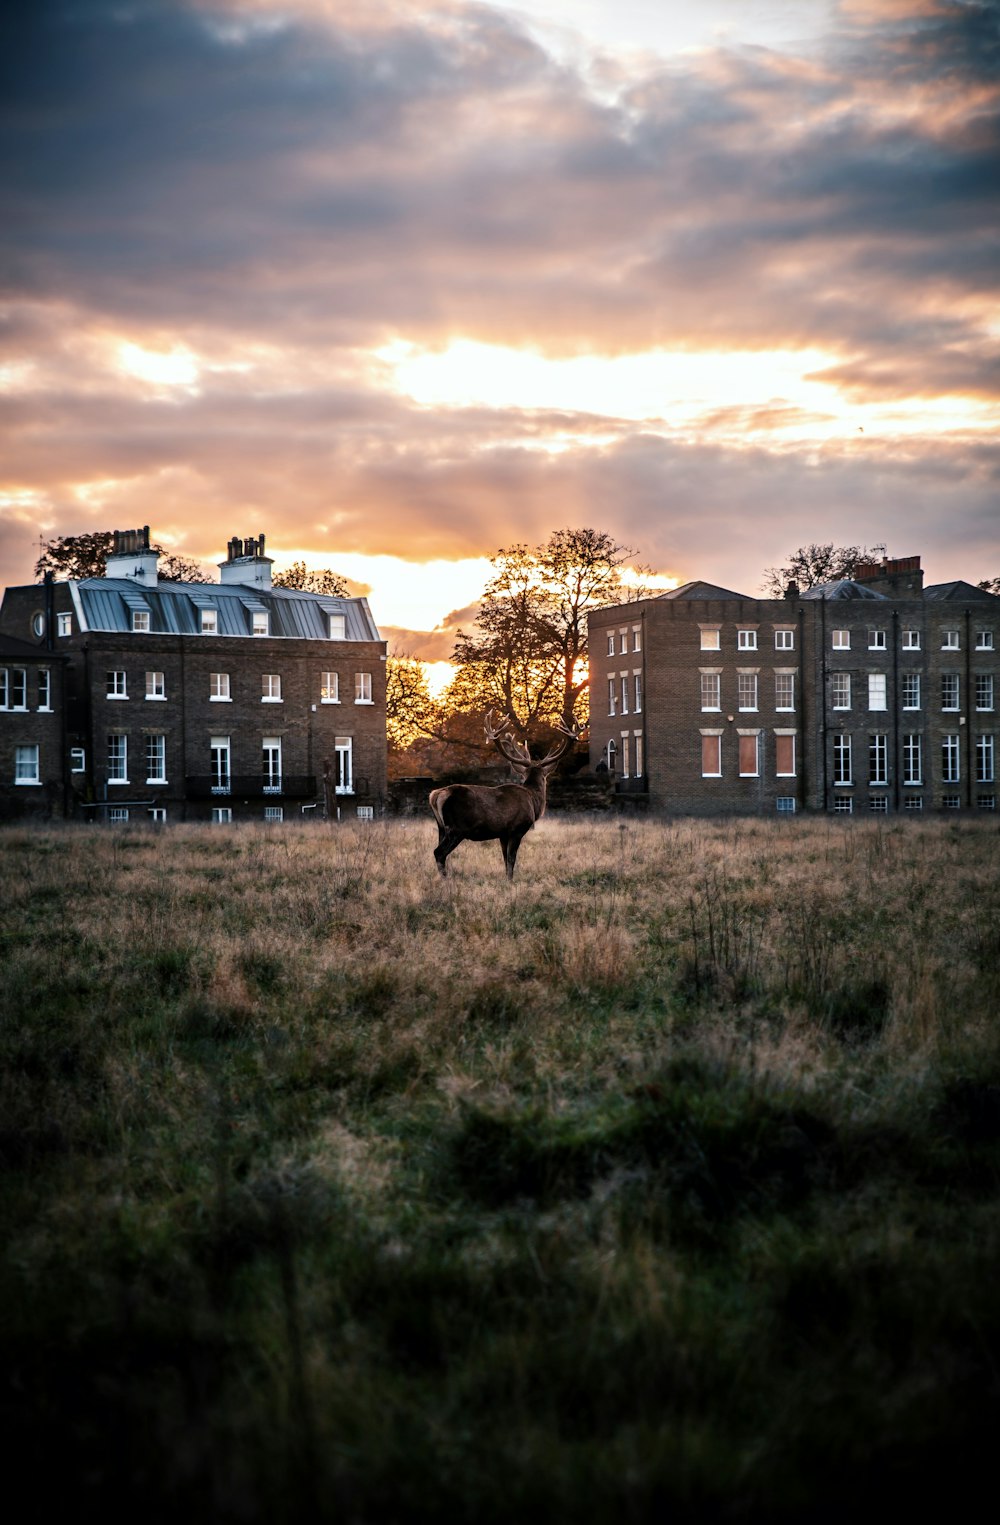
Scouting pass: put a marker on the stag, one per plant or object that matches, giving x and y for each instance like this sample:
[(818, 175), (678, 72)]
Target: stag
[(497, 812)]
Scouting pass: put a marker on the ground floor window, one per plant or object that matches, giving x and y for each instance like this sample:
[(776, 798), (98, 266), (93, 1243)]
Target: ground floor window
[(986, 801), (158, 815), (785, 804), (951, 802), (878, 805), (844, 805), (222, 814), (913, 802), (26, 765), (366, 812), (274, 812), (711, 754), (343, 772), (118, 815)]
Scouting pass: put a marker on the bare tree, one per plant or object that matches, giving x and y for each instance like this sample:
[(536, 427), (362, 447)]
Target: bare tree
[(323, 580), (989, 585), (811, 565), (71, 558)]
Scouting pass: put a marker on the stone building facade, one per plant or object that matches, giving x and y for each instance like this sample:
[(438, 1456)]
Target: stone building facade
[(190, 701), (873, 696)]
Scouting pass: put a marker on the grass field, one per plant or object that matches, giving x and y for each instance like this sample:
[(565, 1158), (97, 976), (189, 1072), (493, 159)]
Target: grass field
[(662, 1182)]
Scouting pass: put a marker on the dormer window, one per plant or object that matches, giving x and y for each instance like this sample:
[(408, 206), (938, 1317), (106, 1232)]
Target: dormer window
[(209, 622), (261, 622), (337, 627), (140, 619)]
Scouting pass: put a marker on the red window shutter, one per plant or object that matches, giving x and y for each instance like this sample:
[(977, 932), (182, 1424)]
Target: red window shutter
[(748, 756), (710, 754), (784, 750)]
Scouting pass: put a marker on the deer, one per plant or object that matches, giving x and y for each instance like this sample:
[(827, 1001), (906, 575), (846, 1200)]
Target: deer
[(497, 812)]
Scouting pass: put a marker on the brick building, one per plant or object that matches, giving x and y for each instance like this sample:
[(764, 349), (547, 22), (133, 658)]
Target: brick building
[(874, 695), (126, 697)]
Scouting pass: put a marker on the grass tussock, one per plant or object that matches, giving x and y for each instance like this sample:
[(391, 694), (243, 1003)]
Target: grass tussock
[(665, 1179)]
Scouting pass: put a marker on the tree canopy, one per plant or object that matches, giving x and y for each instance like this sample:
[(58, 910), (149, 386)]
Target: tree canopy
[(811, 565), (323, 580), (71, 558), (989, 584)]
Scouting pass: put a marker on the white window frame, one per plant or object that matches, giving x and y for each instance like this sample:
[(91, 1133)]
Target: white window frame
[(784, 639), (158, 754), (784, 690), (156, 687), (220, 761), (841, 640), (913, 760), (910, 638), (219, 688), (711, 689), (878, 804), (366, 812), (625, 754), (876, 638), (117, 758), (611, 643), (118, 815), (718, 753), (64, 624), (793, 771), (117, 684), (746, 639), (742, 735), (271, 764), (636, 637), (140, 621), (984, 692), (274, 813), (26, 764), (270, 688), (878, 759), (843, 805), (45, 690), (951, 692), (623, 680), (950, 640), (157, 815), (622, 642), (747, 687), (640, 760), (336, 627), (785, 804), (878, 697), (637, 692), (984, 640), (78, 759), (343, 764), (840, 690), (260, 622), (843, 761), (222, 815), (329, 688), (208, 624), (985, 759), (911, 690), (612, 696), (363, 688), (951, 767)]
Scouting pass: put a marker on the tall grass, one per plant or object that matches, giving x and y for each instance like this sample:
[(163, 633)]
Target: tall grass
[(662, 1179)]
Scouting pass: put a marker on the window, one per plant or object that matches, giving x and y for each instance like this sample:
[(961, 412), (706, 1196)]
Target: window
[(271, 762), (623, 642), (950, 691), (710, 637), (611, 644), (260, 622), (841, 640), (270, 688), (784, 754), (117, 687), (117, 759), (624, 750), (639, 763), (155, 686), (343, 778), (913, 758), (784, 691), (362, 688), (711, 754), (612, 753), (876, 691), (118, 815), (222, 815), (911, 640), (158, 815), (746, 688), (984, 640), (636, 638), (18, 688), (844, 805), (77, 760), (913, 803), (840, 690), (984, 691), (949, 640), (366, 812), (984, 760), (878, 758), (26, 765), (711, 685), (878, 804), (209, 622), (4, 689), (44, 689), (785, 804), (784, 640), (218, 687), (911, 690), (637, 692), (64, 624), (219, 760), (749, 754), (951, 801), (38, 624), (274, 812), (612, 696), (140, 619), (624, 694), (986, 801), (876, 639), (156, 758), (842, 773), (950, 760), (329, 688), (336, 625), (746, 640)]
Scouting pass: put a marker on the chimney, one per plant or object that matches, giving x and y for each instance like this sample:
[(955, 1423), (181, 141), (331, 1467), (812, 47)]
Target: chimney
[(898, 576), (131, 557), (246, 563), (792, 590)]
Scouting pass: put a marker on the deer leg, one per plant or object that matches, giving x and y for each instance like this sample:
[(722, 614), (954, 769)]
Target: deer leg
[(511, 844), (447, 843)]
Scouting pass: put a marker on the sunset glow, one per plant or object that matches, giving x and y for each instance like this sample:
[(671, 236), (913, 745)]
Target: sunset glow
[(433, 278)]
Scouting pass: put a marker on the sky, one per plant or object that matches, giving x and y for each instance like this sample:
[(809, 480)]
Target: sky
[(400, 282)]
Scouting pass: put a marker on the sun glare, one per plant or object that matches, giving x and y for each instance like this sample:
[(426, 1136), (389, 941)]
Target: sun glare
[(177, 367)]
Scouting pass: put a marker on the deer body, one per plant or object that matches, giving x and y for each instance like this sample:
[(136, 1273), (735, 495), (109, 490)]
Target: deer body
[(495, 812)]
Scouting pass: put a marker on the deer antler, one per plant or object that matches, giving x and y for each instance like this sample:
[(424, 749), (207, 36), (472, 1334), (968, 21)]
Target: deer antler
[(514, 751), (571, 734)]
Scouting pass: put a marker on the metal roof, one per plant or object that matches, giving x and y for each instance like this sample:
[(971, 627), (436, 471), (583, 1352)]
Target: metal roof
[(175, 609), (845, 588)]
